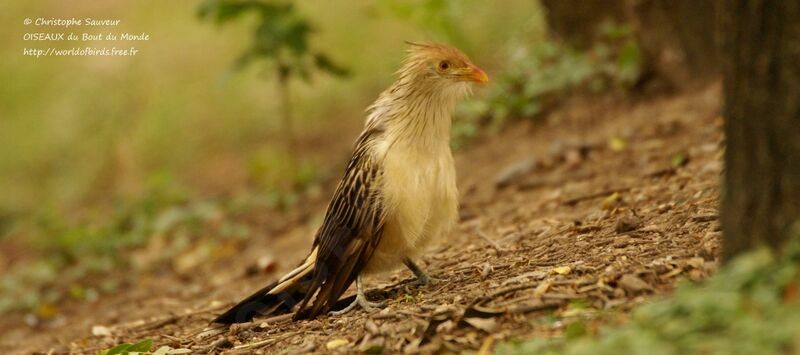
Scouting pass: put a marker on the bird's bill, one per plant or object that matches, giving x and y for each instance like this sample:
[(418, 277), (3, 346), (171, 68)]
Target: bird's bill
[(473, 73)]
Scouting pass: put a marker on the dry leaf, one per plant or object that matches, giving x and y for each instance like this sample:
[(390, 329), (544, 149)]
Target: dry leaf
[(371, 327), (486, 270), (696, 263), (672, 273), (445, 327), (627, 224), (633, 284), (47, 311), (336, 343), (266, 264), (514, 172), (679, 160), (610, 201), (190, 260), (617, 144), (542, 288), (101, 331), (562, 270), (486, 347), (486, 324), (534, 275)]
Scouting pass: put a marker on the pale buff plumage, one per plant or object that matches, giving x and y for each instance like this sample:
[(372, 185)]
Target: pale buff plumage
[(420, 184), (397, 195)]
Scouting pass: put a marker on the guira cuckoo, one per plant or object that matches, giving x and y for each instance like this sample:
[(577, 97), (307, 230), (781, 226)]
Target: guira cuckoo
[(398, 192)]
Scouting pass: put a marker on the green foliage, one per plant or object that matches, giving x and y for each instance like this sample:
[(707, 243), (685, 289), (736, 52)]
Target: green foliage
[(96, 244), (76, 205), (128, 348), (750, 307), (129, 225), (536, 77), (440, 16), (281, 179), (143, 347), (281, 35)]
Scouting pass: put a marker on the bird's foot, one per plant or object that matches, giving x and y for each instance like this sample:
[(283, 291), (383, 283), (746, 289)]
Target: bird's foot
[(422, 278), (361, 300)]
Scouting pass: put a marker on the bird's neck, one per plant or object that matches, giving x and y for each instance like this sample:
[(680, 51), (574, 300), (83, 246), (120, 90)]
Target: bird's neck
[(414, 118)]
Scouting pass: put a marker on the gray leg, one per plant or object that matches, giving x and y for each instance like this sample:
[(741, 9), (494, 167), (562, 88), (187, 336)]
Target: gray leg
[(361, 300), (422, 277)]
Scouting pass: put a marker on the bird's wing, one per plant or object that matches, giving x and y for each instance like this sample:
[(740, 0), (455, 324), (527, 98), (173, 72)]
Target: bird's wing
[(351, 230)]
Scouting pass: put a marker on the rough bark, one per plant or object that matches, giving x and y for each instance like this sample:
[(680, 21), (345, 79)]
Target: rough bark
[(761, 198), (679, 37)]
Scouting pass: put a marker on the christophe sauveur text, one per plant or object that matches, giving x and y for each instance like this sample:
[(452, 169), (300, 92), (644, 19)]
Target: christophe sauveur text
[(69, 22)]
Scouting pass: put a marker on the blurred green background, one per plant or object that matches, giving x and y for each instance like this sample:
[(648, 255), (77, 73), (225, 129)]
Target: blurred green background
[(82, 131), (103, 155)]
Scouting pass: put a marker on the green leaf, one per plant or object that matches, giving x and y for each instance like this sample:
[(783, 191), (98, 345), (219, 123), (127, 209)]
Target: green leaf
[(575, 330), (281, 35), (326, 64), (142, 346), (680, 159), (117, 350), (224, 11), (629, 62)]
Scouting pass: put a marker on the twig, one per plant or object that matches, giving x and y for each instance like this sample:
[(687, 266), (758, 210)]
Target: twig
[(486, 348), (238, 327), (595, 195), (562, 296), (705, 218), (212, 330), (222, 342), (534, 307), (661, 172), (265, 341), (156, 323), (542, 263), (413, 314), (277, 318), (489, 240), (512, 289)]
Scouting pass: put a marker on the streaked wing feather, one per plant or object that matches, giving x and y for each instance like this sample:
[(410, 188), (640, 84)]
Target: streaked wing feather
[(351, 229)]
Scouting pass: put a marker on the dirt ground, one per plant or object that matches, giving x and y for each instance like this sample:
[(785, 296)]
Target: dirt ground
[(608, 203)]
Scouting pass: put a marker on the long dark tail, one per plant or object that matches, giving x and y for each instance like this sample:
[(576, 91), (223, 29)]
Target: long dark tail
[(277, 298)]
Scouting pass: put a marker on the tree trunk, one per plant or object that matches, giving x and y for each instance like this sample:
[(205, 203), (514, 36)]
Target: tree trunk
[(761, 198), (576, 21), (678, 37)]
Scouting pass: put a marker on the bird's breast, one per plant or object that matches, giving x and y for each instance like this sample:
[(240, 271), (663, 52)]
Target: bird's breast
[(421, 200)]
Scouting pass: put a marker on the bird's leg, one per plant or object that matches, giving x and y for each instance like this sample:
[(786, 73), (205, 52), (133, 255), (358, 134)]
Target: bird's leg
[(361, 300), (422, 277)]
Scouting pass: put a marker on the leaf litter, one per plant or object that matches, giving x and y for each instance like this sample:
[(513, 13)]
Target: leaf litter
[(598, 231)]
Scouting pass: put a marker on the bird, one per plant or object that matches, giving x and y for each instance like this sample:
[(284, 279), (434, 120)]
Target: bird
[(398, 192)]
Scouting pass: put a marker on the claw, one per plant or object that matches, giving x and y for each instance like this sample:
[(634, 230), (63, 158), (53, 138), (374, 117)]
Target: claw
[(422, 277), (361, 300), (425, 280)]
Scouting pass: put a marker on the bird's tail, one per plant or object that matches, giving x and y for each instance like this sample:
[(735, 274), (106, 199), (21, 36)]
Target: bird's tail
[(277, 298)]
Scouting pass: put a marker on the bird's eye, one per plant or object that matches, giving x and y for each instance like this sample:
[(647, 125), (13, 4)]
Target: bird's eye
[(444, 65)]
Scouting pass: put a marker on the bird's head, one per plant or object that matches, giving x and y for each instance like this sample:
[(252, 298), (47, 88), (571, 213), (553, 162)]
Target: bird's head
[(438, 66), (431, 80)]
